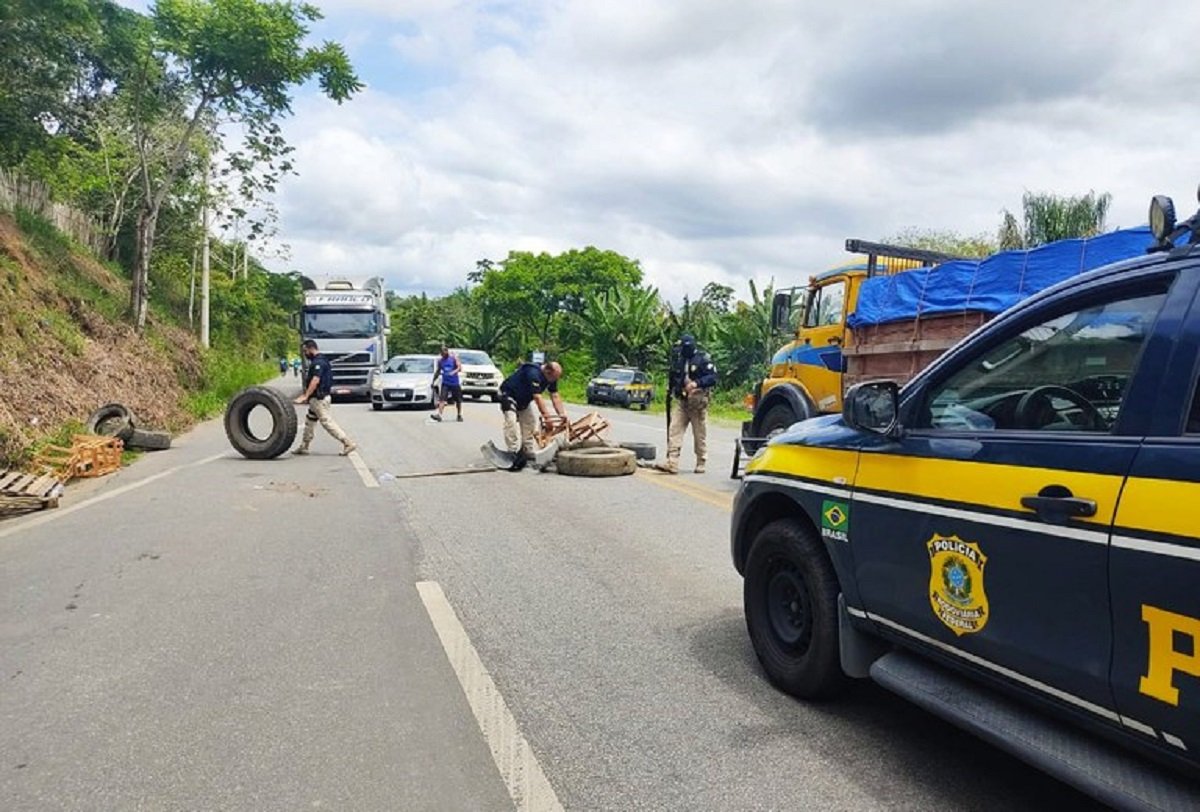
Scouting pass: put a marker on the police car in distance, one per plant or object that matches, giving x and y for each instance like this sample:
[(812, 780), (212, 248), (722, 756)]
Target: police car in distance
[(1012, 539), (624, 386)]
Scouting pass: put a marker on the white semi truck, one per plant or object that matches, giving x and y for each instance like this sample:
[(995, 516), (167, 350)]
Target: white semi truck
[(349, 321)]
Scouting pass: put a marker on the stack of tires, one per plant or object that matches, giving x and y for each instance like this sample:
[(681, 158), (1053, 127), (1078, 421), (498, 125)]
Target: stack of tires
[(116, 420)]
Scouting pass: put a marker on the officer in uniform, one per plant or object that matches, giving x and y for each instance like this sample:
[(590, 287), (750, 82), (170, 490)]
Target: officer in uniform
[(317, 385), (518, 395), (691, 376)]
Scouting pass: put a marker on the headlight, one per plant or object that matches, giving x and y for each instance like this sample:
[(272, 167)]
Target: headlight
[(377, 384)]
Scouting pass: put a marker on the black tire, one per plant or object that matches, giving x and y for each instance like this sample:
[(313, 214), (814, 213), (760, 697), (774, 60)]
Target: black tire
[(790, 600), (112, 420), (495, 398), (778, 418), (646, 402), (146, 440), (283, 430), (596, 462), (377, 407), (644, 451)]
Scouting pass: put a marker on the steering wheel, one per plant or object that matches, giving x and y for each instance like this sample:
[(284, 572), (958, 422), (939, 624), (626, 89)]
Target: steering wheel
[(1025, 411)]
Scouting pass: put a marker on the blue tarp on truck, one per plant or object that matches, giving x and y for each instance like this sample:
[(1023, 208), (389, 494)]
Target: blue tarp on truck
[(990, 285)]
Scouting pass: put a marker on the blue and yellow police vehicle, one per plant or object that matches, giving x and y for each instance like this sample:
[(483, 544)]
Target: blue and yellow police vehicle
[(1011, 539)]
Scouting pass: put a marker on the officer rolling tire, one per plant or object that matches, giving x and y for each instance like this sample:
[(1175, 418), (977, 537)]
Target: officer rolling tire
[(149, 440), (596, 462), (111, 420), (643, 451), (283, 426), (790, 599)]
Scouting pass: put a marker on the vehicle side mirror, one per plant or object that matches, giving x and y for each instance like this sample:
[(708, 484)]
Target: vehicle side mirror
[(294, 321), (873, 406), (781, 311)]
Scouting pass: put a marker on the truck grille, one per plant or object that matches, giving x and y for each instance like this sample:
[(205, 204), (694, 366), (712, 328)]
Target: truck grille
[(355, 358)]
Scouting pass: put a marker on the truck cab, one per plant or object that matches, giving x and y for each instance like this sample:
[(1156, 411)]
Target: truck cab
[(349, 321)]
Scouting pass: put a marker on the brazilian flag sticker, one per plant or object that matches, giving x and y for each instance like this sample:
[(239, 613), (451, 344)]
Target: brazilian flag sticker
[(835, 520)]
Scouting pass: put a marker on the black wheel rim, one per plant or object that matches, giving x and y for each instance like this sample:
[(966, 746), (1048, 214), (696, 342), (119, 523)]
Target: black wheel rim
[(789, 606)]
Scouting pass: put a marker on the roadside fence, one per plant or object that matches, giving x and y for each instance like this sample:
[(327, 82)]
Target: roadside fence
[(19, 192)]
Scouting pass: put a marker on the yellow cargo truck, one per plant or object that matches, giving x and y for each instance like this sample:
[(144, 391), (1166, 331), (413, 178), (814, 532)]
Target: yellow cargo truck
[(806, 374)]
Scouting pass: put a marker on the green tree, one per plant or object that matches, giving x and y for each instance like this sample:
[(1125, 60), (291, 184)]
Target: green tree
[(623, 325), (743, 341), (946, 242), (221, 61), (1048, 217)]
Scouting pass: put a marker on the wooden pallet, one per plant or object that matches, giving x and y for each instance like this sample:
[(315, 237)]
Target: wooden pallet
[(588, 428), (21, 491), (90, 455)]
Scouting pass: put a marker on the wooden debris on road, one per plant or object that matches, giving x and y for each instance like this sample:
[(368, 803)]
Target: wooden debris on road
[(21, 491), (90, 455), (588, 428)]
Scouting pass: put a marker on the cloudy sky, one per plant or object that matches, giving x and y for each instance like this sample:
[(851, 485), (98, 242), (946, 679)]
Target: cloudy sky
[(723, 140)]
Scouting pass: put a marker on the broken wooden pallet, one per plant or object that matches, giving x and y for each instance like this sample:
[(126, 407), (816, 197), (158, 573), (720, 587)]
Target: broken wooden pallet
[(586, 429), (21, 491), (90, 455)]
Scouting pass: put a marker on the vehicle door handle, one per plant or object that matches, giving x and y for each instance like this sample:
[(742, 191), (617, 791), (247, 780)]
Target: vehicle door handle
[(1055, 504)]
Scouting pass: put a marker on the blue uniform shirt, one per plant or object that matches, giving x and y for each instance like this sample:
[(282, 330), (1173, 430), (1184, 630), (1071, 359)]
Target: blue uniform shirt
[(320, 368), (447, 365), (527, 381)]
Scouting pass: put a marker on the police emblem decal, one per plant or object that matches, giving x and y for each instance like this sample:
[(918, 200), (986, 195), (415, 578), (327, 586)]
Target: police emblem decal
[(956, 584), (835, 520)]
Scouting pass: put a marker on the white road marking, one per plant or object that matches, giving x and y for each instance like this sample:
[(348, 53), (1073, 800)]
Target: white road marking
[(51, 515), (527, 784), (363, 471)]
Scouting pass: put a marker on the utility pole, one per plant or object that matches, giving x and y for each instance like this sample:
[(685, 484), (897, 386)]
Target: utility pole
[(204, 271), (245, 262), (192, 291)]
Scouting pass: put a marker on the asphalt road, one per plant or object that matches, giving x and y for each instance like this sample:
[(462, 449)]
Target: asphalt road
[(201, 631)]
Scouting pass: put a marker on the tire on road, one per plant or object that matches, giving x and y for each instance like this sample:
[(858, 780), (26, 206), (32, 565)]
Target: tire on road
[(283, 427), (643, 451), (111, 420), (596, 462), (790, 601), (147, 440)]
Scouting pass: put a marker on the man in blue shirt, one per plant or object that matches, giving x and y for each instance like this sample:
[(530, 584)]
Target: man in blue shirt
[(317, 385), (518, 395), (449, 370)]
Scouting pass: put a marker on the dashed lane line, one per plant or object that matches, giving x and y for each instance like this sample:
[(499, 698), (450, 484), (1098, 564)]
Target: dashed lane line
[(104, 497), (526, 782)]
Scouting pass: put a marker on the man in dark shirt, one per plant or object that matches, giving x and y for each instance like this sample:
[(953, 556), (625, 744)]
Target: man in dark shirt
[(518, 395), (317, 385)]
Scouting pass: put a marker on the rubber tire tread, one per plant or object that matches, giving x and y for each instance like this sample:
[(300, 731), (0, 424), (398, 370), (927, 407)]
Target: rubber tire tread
[(147, 440), (644, 451), (110, 411), (779, 417), (817, 673), (283, 433), (600, 461)]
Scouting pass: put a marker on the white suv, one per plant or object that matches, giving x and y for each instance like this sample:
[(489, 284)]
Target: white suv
[(480, 377)]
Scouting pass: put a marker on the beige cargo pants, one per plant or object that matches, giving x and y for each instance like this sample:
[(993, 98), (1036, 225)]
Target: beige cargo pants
[(519, 428), (690, 411), (320, 410)]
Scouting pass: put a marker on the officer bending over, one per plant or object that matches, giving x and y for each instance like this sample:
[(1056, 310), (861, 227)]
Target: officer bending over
[(518, 395)]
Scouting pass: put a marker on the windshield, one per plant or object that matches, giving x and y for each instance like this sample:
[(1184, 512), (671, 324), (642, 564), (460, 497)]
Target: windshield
[(340, 324), (621, 375), (475, 358), (400, 364)]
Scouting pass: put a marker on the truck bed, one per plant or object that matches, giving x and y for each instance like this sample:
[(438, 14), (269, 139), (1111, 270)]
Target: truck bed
[(899, 350)]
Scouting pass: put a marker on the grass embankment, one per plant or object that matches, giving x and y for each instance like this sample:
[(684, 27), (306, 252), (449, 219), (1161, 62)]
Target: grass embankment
[(66, 347)]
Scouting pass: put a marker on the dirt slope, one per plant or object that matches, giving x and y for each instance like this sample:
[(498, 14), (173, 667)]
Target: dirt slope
[(64, 348)]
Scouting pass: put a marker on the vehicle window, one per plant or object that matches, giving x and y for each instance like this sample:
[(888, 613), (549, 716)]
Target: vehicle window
[(639, 378), (410, 365), (620, 375), (475, 358), (825, 305), (1066, 374)]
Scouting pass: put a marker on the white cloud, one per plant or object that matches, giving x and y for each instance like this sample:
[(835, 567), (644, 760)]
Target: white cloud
[(721, 140)]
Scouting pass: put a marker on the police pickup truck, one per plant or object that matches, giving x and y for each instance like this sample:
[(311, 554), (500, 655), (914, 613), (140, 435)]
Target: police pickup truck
[(1012, 539)]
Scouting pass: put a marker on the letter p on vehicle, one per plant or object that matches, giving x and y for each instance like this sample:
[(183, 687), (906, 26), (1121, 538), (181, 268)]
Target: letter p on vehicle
[(1165, 659)]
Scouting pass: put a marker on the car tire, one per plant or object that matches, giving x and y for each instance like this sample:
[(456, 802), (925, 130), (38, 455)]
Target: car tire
[(145, 440), (596, 462), (646, 402), (789, 597), (779, 418), (283, 429), (495, 398), (377, 407), (111, 420), (643, 451)]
